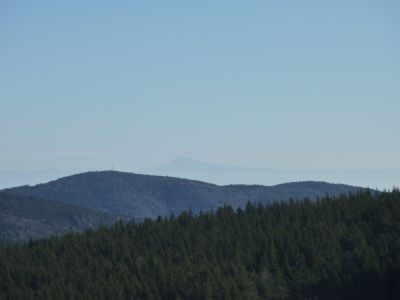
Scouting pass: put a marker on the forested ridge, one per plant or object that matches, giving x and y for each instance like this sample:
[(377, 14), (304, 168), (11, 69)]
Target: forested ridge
[(147, 196), (335, 248)]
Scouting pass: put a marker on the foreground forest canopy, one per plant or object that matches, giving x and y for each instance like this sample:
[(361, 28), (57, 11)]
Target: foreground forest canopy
[(334, 248)]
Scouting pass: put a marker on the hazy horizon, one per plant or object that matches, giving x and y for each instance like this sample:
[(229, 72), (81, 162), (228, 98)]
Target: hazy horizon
[(221, 174), (289, 86)]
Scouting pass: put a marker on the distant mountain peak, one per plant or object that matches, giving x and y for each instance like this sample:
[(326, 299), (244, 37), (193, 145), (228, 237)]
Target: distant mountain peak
[(183, 158)]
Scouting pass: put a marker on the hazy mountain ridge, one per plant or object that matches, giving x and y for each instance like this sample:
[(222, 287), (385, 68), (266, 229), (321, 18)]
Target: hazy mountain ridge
[(11, 178), (135, 195), (92, 199), (25, 217)]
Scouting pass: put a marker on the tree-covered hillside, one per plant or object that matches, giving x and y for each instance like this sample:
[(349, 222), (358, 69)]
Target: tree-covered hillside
[(23, 218), (140, 196), (344, 248)]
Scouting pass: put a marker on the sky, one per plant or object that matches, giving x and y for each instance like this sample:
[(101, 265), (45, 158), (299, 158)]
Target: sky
[(131, 84)]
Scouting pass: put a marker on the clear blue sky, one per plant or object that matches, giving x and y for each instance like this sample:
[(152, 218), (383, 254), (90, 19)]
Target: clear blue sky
[(281, 84)]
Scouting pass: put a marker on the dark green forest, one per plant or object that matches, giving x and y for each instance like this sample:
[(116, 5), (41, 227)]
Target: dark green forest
[(333, 248)]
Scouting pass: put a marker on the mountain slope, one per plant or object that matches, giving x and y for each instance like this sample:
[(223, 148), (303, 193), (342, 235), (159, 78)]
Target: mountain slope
[(137, 195), (23, 218), (11, 178)]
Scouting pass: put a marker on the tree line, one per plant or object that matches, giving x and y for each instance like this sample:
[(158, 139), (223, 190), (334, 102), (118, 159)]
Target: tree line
[(346, 247)]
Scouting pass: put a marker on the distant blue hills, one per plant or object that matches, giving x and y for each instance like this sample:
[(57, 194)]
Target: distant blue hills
[(101, 198)]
